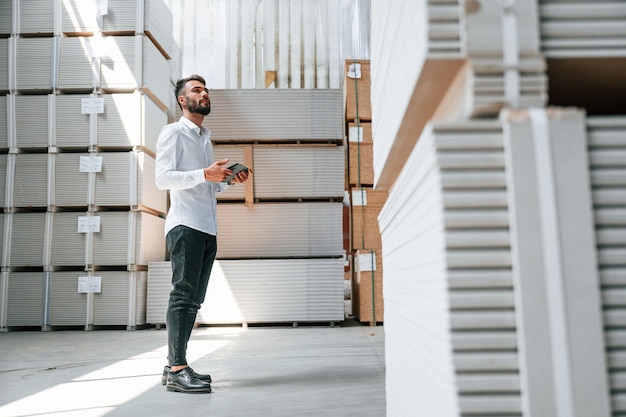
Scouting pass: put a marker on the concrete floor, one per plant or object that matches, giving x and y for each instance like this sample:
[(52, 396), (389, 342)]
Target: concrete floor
[(258, 371)]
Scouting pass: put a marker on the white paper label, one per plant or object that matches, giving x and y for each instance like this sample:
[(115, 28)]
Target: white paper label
[(89, 284), (359, 197), (367, 262), (92, 105), (355, 134), (103, 7), (90, 163), (88, 224), (354, 70)]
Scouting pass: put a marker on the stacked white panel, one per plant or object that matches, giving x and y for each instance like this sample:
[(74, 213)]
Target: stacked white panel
[(4, 122), (134, 62), (6, 17), (70, 187), (128, 238), (127, 179), (36, 17), (68, 247), (25, 293), (607, 150), (158, 25), (29, 173), (249, 291), (585, 28), (289, 172), (4, 64), (234, 154), (129, 120), (27, 239), (78, 16), (279, 230), (76, 67), (491, 86), (121, 300), (302, 171), (68, 307), (445, 38), (3, 181), (31, 114), (271, 115), (455, 301), (72, 127), (34, 59)]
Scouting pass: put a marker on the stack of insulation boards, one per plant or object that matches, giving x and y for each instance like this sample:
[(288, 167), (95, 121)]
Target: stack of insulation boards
[(85, 90), (280, 239)]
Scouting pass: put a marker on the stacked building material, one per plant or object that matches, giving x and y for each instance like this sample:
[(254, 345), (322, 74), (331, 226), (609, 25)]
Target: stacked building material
[(280, 254), (365, 202), (502, 233), (84, 95)]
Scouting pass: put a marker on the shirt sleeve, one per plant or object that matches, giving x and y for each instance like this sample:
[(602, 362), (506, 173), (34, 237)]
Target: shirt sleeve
[(167, 177)]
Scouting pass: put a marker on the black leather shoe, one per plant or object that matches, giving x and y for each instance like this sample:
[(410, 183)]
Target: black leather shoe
[(185, 381), (201, 377)]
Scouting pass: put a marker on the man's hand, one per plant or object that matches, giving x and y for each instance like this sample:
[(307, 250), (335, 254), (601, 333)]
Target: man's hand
[(216, 172), (241, 176)]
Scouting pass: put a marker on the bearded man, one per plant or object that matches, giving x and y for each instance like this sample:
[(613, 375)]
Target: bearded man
[(185, 165)]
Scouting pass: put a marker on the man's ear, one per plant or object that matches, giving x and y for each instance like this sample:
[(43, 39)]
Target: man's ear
[(181, 101)]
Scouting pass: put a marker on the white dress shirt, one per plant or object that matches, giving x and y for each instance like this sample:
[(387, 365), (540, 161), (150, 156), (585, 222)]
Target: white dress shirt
[(183, 151)]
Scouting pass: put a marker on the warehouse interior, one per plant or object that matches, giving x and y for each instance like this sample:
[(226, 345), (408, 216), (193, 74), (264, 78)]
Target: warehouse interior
[(435, 226)]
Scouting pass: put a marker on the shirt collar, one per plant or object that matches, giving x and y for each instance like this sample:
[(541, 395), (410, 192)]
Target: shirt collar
[(191, 125)]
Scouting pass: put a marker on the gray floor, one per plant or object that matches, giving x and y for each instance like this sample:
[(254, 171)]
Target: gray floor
[(258, 371)]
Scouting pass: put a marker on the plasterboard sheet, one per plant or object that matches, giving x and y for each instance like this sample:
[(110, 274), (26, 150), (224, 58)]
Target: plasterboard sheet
[(33, 63), (68, 247), (116, 300), (68, 307), (276, 115), (71, 186), (299, 171), (72, 126), (4, 64), (272, 230), (585, 28), (76, 69), (36, 16), (27, 239), (78, 16), (6, 17), (463, 271), (30, 180), (25, 299), (607, 143), (269, 290), (31, 121), (4, 123)]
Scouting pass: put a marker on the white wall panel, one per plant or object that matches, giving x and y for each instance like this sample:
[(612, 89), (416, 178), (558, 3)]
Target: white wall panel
[(34, 58), (30, 180), (4, 64), (585, 28), (4, 123), (68, 307), (114, 304), (6, 18), (31, 121), (449, 312), (607, 142), (268, 290), (276, 115), (72, 127), (76, 68), (27, 239), (279, 230), (25, 299), (68, 247), (36, 16), (129, 120)]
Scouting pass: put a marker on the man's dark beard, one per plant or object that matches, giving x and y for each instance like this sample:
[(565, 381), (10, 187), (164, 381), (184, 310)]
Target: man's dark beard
[(197, 108)]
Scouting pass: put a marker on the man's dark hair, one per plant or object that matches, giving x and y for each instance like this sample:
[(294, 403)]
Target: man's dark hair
[(180, 84)]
